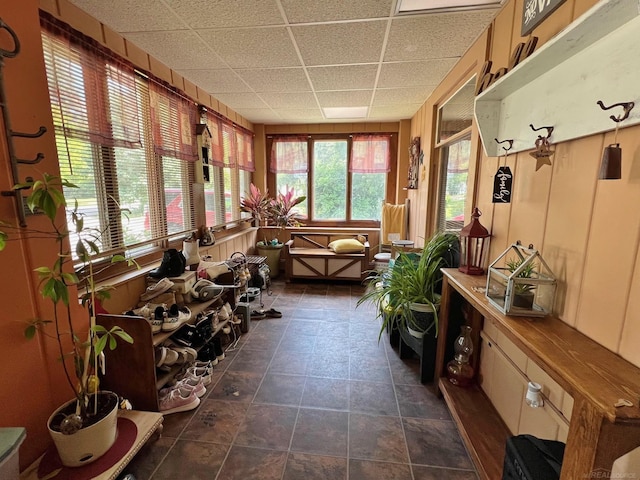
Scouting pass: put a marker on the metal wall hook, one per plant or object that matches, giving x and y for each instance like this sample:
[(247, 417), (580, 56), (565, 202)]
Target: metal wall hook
[(38, 159), (549, 130), (16, 43), (506, 149), (628, 106), (41, 131)]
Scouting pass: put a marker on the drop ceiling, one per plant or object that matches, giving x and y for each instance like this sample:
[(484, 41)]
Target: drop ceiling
[(284, 61)]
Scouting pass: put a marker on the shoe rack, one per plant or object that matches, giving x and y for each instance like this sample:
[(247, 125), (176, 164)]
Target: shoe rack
[(131, 368)]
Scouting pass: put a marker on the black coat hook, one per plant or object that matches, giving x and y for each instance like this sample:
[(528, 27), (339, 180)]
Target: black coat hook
[(506, 149), (549, 130), (628, 106)]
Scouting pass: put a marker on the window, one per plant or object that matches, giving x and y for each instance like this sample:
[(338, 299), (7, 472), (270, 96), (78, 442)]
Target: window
[(126, 142), (454, 150), (343, 177)]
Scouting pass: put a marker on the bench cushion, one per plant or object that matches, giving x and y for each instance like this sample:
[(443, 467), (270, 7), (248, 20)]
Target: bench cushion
[(346, 245)]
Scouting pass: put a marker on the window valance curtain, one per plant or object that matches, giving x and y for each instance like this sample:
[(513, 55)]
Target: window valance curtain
[(78, 90), (370, 154), (173, 118), (244, 142), (289, 154)]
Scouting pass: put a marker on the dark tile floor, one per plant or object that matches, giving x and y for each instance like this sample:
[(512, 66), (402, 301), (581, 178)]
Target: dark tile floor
[(311, 395)]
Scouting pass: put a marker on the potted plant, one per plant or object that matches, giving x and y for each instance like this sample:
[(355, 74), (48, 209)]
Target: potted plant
[(408, 295), (279, 212), (84, 428), (523, 292)]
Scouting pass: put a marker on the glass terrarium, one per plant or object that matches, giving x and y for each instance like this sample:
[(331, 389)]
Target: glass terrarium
[(521, 283)]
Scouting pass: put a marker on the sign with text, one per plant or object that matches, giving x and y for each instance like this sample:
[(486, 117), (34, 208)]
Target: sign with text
[(535, 11), (502, 186)]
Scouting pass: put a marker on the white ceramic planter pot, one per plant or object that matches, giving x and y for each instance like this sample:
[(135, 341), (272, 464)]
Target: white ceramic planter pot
[(88, 444)]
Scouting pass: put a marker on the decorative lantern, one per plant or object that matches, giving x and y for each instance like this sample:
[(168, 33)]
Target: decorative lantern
[(521, 283), (474, 245)]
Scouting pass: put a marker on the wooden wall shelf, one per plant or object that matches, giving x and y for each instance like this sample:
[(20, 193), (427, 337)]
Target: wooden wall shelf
[(593, 59), (594, 376)]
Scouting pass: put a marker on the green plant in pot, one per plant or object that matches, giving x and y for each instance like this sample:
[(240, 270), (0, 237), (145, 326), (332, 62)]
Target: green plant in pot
[(84, 428), (523, 293), (279, 212), (408, 295)]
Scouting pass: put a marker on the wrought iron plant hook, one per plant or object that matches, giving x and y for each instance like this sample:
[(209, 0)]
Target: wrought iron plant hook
[(506, 149), (628, 106)]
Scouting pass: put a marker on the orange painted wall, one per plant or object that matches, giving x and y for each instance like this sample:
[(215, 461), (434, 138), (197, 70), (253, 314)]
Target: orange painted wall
[(587, 230)]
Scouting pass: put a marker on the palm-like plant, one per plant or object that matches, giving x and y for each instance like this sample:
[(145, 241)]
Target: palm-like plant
[(256, 203), (412, 281)]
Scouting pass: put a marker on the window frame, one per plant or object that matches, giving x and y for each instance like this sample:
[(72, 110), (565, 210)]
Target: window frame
[(348, 222)]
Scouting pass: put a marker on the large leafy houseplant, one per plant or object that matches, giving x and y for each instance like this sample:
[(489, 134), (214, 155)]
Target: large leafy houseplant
[(415, 278), (79, 347)]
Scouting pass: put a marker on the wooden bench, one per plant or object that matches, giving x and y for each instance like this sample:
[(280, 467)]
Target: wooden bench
[(308, 256)]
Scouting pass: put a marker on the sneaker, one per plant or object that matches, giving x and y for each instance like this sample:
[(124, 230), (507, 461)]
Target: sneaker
[(217, 347), (200, 372), (227, 308), (156, 289), (165, 357), (160, 313), (186, 355), (145, 311), (223, 315), (187, 383), (235, 320), (176, 316), (206, 354), (188, 336), (179, 399)]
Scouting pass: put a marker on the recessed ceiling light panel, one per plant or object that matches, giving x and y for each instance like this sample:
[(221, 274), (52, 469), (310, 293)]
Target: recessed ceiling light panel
[(432, 6), (345, 112)]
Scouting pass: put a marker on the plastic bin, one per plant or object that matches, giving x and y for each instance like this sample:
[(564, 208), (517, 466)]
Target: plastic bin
[(10, 441)]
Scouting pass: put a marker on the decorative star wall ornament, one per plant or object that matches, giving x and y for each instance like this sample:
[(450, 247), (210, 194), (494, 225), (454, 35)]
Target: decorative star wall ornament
[(542, 153)]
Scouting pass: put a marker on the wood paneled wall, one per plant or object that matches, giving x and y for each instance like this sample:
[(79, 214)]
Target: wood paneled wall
[(588, 230)]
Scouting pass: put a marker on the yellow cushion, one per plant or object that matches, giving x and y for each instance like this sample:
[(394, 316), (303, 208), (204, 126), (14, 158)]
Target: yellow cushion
[(346, 245)]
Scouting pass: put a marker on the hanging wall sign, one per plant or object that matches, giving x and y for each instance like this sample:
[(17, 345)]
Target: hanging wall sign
[(535, 11), (502, 185)]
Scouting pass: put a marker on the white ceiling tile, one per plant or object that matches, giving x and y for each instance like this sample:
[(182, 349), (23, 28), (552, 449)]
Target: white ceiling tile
[(216, 81), (344, 77), (276, 79), (348, 98), (303, 11), (131, 15), (217, 13), (394, 112), (253, 47), (290, 100), (393, 96), (408, 74), (435, 36), (240, 100), (342, 43), (296, 115), (177, 49), (258, 115)]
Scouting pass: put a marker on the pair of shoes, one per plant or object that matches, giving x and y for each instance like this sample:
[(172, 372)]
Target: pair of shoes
[(153, 291), (188, 383), (175, 318), (173, 265), (154, 316), (204, 325), (180, 399), (257, 314), (166, 357), (188, 336), (273, 313)]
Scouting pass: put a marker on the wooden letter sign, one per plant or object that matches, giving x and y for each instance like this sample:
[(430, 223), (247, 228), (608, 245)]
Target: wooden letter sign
[(535, 11), (522, 51)]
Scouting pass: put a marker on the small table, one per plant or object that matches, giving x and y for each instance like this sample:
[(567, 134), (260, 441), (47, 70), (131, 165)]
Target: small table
[(146, 422)]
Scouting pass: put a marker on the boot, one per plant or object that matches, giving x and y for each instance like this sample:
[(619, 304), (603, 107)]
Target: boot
[(190, 251), (173, 265)]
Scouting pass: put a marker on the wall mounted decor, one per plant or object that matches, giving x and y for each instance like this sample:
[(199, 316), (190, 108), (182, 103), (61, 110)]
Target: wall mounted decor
[(503, 179), (535, 11), (600, 46), (611, 166), (543, 151), (414, 162)]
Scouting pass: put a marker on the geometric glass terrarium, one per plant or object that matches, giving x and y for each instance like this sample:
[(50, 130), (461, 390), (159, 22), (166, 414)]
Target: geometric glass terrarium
[(521, 283)]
